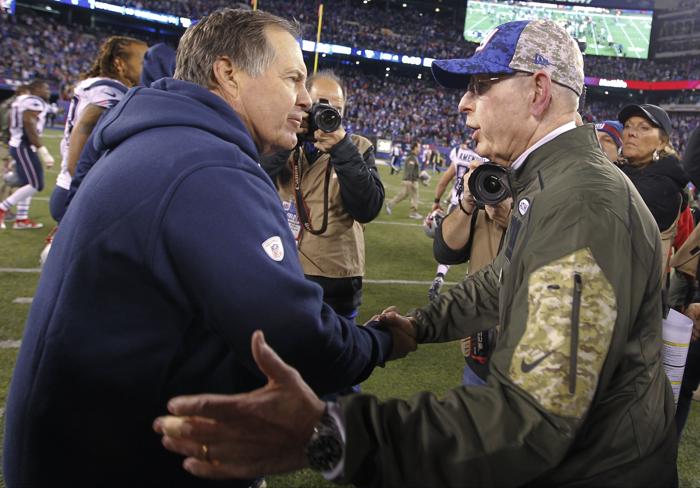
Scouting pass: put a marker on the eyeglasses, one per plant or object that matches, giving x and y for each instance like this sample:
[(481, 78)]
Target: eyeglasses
[(479, 86)]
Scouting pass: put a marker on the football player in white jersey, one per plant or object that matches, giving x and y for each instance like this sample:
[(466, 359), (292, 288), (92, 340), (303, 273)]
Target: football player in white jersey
[(27, 118), (116, 69), (462, 158)]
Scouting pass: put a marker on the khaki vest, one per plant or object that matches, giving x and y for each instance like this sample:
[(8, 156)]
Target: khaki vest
[(485, 241), (340, 251)]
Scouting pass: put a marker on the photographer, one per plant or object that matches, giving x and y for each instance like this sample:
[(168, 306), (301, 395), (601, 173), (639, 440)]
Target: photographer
[(461, 158), (338, 190), (475, 234)]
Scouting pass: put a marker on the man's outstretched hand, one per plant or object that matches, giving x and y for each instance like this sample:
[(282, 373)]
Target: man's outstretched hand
[(246, 435)]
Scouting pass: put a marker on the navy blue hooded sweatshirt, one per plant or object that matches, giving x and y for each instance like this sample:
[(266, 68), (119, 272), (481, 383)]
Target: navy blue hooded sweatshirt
[(156, 280)]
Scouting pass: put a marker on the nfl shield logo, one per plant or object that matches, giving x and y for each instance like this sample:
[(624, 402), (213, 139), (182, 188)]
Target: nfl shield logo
[(273, 247), (523, 206)]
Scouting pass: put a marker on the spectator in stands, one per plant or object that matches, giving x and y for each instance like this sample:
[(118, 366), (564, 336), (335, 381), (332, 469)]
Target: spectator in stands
[(652, 164)]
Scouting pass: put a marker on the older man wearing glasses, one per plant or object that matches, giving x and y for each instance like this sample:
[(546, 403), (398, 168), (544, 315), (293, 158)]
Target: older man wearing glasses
[(576, 395)]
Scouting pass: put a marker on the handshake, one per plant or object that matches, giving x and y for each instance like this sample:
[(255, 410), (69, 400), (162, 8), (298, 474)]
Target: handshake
[(264, 431), (402, 329)]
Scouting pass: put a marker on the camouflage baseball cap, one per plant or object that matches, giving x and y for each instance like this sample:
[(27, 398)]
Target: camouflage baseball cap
[(523, 45)]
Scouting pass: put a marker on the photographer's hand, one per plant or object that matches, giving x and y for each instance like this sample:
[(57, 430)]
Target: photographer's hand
[(501, 212), (468, 202), (326, 140)]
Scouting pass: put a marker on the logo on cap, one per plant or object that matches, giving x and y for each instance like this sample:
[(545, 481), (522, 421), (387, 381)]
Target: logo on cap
[(539, 59), (487, 39)]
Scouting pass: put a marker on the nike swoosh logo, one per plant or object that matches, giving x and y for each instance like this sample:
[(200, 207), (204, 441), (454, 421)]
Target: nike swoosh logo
[(110, 94), (527, 367)]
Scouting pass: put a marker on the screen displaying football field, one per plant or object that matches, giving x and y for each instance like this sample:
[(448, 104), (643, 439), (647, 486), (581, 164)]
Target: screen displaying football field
[(606, 32)]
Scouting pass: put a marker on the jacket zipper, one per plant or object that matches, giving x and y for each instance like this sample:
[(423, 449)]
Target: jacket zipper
[(575, 310)]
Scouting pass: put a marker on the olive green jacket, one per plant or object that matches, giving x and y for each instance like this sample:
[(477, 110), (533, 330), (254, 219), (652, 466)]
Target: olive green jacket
[(577, 395)]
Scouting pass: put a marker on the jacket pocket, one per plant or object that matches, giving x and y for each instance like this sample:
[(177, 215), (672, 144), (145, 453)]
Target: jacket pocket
[(575, 317)]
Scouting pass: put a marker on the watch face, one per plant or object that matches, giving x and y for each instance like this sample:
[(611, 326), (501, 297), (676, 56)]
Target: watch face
[(324, 452), (325, 448)]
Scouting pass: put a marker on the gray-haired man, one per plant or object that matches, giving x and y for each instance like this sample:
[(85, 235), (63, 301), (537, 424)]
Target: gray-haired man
[(173, 251)]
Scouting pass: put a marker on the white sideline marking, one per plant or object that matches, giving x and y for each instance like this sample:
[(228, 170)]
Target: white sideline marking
[(20, 270), (404, 282), (23, 300), (395, 223), (10, 344)]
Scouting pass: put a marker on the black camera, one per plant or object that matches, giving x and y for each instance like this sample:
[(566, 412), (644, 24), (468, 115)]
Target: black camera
[(489, 185), (322, 116)]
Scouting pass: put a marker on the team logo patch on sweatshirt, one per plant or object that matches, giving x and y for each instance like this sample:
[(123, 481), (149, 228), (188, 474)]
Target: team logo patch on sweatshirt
[(523, 206), (273, 247)]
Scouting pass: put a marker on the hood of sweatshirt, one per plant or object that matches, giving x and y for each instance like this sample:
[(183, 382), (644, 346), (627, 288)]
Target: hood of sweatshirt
[(172, 103), (158, 62)]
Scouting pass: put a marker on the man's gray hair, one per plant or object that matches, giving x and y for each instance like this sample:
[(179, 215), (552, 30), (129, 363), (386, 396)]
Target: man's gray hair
[(236, 33), (329, 74)]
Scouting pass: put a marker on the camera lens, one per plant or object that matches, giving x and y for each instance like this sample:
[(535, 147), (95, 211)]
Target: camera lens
[(488, 184), (492, 184), (328, 120)]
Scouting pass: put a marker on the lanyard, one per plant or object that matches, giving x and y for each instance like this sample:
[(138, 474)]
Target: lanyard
[(299, 197)]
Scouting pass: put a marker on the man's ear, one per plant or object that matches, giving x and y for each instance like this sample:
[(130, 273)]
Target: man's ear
[(226, 75), (542, 94)]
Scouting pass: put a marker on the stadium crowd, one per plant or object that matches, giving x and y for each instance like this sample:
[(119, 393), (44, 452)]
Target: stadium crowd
[(431, 36), (395, 107)]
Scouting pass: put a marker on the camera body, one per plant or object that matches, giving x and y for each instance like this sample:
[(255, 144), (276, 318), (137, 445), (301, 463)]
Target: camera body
[(322, 116), (489, 184)]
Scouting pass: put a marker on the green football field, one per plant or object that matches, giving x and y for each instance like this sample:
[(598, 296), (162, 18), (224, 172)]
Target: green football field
[(399, 270), (630, 30)]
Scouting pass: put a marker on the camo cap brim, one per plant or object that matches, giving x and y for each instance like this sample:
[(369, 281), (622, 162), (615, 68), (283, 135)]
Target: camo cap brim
[(524, 45)]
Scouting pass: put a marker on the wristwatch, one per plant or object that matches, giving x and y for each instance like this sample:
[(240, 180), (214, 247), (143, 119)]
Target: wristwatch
[(325, 449)]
